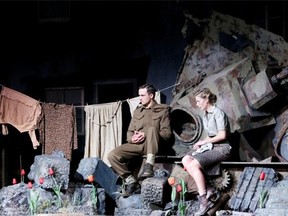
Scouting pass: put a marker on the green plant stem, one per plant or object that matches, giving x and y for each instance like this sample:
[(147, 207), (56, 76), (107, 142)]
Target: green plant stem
[(263, 197), (94, 196), (33, 202), (57, 191), (173, 196)]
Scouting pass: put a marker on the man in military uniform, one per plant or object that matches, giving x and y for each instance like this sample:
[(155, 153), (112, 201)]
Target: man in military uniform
[(149, 126)]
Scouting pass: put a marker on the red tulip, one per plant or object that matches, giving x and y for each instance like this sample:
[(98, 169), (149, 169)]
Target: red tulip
[(178, 188), (23, 172), (90, 178), (30, 185), (51, 171), (14, 181), (262, 176), (41, 180)]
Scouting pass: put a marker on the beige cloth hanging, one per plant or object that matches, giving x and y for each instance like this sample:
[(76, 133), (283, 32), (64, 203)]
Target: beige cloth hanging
[(134, 102), (21, 111), (103, 129)]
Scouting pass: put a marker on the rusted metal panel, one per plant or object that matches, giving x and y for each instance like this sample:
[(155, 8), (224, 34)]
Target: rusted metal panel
[(227, 86), (206, 57), (280, 140), (258, 90)]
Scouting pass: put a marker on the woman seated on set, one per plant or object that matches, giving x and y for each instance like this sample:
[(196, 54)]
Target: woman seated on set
[(209, 152)]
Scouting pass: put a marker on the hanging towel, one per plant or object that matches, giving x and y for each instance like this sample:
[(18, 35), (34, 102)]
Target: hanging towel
[(103, 129), (134, 102), (21, 111)]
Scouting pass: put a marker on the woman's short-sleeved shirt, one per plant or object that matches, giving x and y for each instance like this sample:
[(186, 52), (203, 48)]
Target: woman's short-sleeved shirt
[(214, 121)]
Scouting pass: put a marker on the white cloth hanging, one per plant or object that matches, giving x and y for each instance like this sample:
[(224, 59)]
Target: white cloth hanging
[(134, 102), (103, 129)]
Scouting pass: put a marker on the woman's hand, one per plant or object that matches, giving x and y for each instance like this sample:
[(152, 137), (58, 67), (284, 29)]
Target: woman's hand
[(221, 135), (198, 144)]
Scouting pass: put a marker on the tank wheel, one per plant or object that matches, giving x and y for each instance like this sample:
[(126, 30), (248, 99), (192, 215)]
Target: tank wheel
[(222, 182)]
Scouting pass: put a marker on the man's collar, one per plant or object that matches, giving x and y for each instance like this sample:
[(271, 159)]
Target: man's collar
[(151, 107)]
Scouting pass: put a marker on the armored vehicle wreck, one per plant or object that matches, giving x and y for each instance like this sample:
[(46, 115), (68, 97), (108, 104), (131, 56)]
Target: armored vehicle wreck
[(246, 66)]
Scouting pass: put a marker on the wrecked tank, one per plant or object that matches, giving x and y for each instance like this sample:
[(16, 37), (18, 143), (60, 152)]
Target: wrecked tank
[(247, 68)]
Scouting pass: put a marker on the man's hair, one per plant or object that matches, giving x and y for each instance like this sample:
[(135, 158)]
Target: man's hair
[(150, 88)]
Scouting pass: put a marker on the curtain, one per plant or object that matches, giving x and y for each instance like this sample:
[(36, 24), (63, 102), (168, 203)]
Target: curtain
[(103, 129)]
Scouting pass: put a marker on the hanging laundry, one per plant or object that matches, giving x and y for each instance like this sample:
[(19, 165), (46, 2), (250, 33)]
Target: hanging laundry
[(134, 102), (21, 111), (103, 129), (58, 130)]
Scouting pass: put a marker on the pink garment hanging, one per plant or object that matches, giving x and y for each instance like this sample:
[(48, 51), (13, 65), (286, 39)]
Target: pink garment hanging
[(21, 111)]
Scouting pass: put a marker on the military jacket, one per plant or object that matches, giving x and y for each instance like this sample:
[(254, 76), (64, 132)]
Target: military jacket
[(158, 115)]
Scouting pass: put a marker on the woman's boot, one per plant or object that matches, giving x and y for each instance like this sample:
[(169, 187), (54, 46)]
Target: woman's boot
[(205, 205), (212, 194)]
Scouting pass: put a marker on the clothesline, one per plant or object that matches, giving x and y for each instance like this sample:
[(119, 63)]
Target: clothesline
[(169, 87), (80, 106)]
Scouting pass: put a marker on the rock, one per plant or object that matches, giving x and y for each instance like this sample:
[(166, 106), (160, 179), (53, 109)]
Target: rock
[(40, 169)]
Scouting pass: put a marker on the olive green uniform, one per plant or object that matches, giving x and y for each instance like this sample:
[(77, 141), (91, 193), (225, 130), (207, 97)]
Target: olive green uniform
[(155, 123)]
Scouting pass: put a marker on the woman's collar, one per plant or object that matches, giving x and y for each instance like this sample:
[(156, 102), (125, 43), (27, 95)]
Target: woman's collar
[(210, 109)]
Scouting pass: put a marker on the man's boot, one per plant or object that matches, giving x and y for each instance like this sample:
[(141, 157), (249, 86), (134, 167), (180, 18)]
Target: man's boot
[(130, 186), (147, 171), (205, 205)]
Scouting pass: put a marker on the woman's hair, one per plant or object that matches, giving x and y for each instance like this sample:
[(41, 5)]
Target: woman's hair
[(206, 93), (150, 88)]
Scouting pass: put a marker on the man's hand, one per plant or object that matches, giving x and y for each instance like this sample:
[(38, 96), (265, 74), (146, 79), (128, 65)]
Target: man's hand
[(138, 137)]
